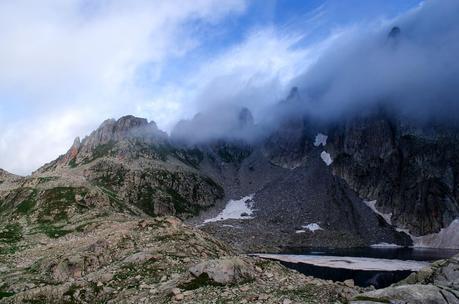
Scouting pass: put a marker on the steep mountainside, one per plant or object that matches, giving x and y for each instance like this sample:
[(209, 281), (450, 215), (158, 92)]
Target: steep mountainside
[(411, 172), (82, 227), (359, 183), (134, 161)]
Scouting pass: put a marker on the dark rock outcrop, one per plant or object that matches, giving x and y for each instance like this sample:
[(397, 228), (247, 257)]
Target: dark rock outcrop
[(411, 172)]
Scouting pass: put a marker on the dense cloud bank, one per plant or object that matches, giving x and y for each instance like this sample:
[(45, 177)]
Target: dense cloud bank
[(408, 65)]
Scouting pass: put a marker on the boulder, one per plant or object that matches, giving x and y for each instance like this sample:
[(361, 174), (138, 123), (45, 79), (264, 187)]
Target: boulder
[(224, 271)]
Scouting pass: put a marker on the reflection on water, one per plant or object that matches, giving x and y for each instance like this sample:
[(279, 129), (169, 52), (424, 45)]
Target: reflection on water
[(378, 279), (364, 278)]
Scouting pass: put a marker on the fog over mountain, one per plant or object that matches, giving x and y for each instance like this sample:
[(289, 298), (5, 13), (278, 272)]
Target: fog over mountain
[(407, 66)]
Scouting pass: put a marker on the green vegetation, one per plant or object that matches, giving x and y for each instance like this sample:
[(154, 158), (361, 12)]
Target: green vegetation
[(56, 201), (52, 231), (5, 294), (181, 205), (9, 236), (45, 179), (103, 150), (98, 152), (11, 233), (29, 203), (201, 281), (110, 179), (72, 163), (145, 201), (148, 270), (370, 299)]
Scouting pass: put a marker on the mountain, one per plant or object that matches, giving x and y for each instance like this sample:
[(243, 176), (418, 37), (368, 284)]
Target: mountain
[(134, 161), (368, 179), (95, 225)]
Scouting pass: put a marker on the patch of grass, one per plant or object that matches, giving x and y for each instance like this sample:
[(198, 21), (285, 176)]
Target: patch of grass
[(71, 291), (9, 249), (181, 205), (103, 150), (201, 281), (29, 203), (11, 233), (145, 201), (148, 271), (371, 299), (56, 202), (6, 294), (72, 163), (45, 179), (52, 231), (96, 289), (34, 268)]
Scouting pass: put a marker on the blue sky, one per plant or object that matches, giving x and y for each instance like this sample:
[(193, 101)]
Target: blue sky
[(65, 66)]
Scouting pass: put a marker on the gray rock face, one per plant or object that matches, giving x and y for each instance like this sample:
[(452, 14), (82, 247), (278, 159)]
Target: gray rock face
[(411, 172), (5, 175)]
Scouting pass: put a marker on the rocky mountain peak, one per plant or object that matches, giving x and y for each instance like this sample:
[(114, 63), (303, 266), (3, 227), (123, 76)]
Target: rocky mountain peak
[(394, 32), (7, 176), (112, 137), (127, 127), (245, 118)]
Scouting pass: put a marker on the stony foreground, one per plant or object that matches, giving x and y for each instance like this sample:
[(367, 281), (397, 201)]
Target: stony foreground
[(122, 259), (435, 284)]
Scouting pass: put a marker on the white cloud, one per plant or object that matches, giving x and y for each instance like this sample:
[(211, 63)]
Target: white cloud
[(60, 59)]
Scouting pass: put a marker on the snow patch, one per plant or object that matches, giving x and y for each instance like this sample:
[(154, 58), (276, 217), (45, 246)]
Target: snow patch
[(236, 209), (385, 245), (326, 157), (312, 227), (232, 226), (300, 231), (321, 139)]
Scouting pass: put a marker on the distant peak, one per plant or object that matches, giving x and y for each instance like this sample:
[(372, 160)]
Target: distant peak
[(245, 117), (394, 32), (294, 93)]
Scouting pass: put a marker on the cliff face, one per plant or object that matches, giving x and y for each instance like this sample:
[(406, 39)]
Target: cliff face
[(361, 181), (412, 171)]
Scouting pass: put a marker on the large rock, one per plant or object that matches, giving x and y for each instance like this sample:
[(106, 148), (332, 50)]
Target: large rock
[(224, 271), (409, 294), (437, 283)]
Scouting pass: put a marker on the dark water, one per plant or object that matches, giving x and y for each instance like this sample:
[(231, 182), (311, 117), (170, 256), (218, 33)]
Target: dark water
[(378, 279)]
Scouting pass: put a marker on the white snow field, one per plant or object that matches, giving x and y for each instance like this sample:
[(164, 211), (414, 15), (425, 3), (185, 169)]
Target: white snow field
[(321, 139), (326, 157), (236, 209)]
